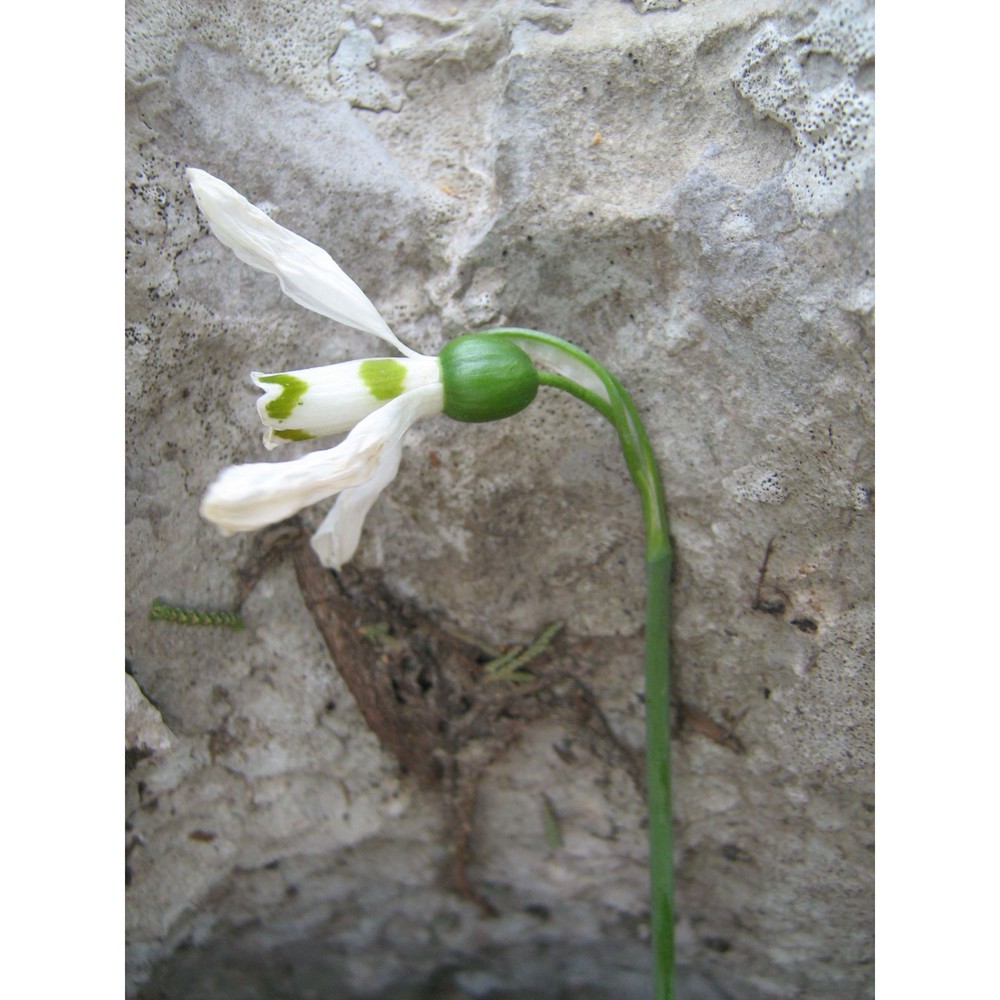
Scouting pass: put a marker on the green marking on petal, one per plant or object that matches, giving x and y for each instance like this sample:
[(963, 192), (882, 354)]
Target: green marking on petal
[(292, 389), (293, 434), (383, 377)]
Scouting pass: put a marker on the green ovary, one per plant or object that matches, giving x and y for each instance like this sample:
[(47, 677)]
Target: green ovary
[(485, 378), (383, 377), (292, 390)]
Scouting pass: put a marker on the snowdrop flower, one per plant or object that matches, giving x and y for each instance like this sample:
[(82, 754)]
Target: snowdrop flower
[(475, 378)]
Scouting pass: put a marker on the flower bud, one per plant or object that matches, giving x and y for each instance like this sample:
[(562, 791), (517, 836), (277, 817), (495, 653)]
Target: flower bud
[(485, 378)]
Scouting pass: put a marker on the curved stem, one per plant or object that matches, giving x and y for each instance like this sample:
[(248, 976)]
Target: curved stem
[(575, 389), (606, 395)]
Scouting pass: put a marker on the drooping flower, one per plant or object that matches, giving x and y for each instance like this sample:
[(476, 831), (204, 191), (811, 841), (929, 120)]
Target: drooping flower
[(476, 377), (473, 379)]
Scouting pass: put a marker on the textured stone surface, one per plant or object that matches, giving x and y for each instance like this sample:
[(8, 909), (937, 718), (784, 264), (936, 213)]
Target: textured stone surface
[(144, 729), (685, 190)]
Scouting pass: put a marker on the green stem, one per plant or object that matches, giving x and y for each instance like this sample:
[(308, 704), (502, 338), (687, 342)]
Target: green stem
[(609, 398), (661, 869), (568, 385)]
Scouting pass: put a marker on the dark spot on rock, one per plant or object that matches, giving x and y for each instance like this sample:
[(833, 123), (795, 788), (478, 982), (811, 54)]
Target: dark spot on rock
[(733, 852), (397, 692), (721, 945), (771, 607), (135, 754)]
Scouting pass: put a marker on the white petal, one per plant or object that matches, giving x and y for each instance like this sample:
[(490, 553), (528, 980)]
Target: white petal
[(307, 273), (246, 497), (333, 398), (336, 539)]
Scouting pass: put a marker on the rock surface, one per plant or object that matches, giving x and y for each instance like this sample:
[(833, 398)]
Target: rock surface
[(145, 732), (686, 191)]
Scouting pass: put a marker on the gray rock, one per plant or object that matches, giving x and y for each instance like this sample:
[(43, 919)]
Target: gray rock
[(144, 728), (688, 195)]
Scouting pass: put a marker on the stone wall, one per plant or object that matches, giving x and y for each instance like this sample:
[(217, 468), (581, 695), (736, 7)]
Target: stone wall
[(686, 191)]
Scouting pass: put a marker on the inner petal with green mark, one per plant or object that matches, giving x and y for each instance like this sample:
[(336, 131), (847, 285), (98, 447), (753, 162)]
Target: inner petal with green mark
[(292, 390), (331, 399), (383, 376), (293, 434)]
